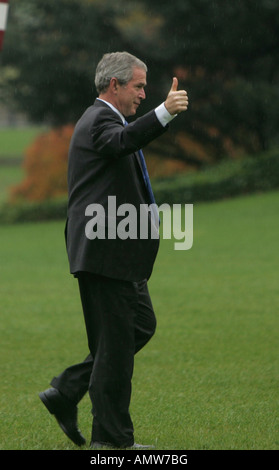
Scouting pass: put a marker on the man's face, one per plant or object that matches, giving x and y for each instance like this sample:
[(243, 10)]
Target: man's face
[(129, 96)]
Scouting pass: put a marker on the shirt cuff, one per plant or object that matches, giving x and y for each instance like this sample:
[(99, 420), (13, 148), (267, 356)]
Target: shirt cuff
[(163, 115)]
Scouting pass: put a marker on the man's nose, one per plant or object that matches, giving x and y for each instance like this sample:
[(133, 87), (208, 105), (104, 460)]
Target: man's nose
[(142, 94)]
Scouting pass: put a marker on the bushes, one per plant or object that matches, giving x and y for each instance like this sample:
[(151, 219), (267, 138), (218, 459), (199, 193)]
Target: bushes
[(45, 167), (51, 209), (42, 195), (228, 179)]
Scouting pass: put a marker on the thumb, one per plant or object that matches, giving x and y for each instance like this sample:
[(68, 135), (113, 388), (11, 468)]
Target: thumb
[(174, 84)]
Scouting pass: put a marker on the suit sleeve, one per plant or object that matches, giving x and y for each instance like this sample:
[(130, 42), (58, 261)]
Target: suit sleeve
[(111, 139)]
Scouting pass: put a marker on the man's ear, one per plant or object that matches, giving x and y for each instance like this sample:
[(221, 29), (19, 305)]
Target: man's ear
[(114, 84)]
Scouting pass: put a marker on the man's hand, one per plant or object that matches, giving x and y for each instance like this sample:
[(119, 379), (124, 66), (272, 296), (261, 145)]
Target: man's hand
[(177, 101)]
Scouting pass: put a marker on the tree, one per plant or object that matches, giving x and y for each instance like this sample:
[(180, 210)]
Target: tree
[(45, 167), (224, 53), (51, 51)]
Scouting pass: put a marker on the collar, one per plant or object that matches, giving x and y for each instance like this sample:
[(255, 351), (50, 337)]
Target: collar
[(114, 109)]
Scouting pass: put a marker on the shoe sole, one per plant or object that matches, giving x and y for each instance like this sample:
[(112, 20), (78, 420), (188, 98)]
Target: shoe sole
[(100, 445), (80, 439)]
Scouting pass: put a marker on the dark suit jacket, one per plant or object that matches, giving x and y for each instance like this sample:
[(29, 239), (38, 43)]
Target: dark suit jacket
[(103, 162)]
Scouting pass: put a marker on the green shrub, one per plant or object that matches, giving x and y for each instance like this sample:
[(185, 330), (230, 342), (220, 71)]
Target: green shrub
[(228, 179), (54, 209)]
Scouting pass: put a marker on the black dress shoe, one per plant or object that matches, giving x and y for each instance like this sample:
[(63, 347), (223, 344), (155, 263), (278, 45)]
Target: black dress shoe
[(65, 413)]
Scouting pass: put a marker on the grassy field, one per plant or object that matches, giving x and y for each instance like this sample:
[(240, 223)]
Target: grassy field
[(15, 139), (13, 142), (9, 176), (209, 377)]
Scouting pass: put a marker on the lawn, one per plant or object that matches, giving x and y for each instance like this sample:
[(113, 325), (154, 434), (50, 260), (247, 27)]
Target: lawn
[(209, 377), (9, 176), (13, 143), (14, 140)]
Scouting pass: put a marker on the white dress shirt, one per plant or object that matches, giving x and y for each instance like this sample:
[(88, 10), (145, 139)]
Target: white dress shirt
[(163, 116)]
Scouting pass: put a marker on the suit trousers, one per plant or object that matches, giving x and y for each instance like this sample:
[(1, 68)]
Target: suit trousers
[(119, 321)]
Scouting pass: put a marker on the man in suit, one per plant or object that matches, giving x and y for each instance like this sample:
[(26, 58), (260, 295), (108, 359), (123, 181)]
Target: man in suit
[(106, 169)]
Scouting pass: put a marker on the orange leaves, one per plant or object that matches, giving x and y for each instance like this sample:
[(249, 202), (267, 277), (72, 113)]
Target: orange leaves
[(45, 167)]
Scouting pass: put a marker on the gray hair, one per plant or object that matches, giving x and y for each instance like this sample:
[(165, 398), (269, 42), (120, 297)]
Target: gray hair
[(116, 64)]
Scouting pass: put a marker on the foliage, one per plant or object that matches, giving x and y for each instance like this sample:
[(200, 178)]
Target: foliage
[(227, 179), (224, 53), (53, 81), (45, 167), (35, 211)]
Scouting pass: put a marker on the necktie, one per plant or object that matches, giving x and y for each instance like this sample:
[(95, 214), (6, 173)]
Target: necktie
[(146, 177), (154, 209), (145, 174)]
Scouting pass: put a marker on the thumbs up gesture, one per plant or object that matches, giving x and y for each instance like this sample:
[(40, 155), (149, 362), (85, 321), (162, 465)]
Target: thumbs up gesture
[(177, 100)]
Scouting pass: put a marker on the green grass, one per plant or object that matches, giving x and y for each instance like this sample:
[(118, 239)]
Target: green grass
[(209, 377), (9, 176), (14, 140)]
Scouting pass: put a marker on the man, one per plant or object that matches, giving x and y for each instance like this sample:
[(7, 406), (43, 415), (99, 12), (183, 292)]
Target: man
[(106, 164)]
